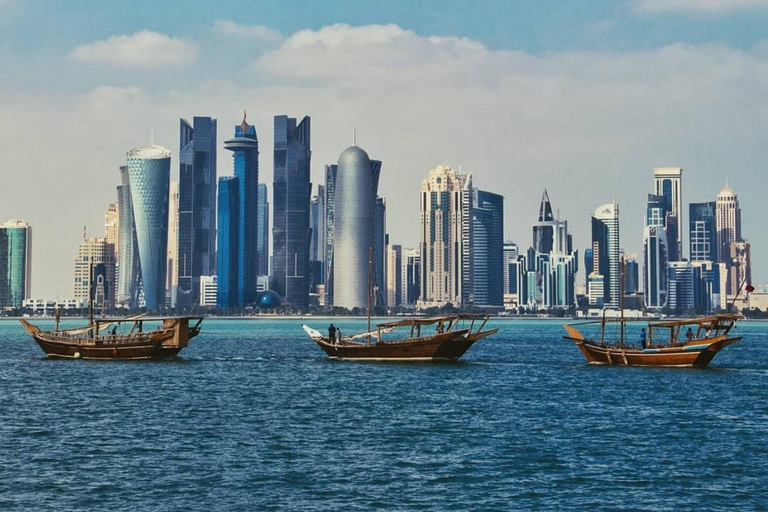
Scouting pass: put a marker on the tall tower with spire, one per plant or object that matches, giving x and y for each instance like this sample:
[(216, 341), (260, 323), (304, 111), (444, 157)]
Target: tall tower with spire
[(237, 263), (556, 262)]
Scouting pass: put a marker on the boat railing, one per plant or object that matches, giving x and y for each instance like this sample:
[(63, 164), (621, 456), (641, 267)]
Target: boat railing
[(104, 339)]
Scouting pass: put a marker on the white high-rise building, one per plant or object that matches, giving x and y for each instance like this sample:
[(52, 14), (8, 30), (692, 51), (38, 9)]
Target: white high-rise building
[(112, 226), (445, 237), (172, 275), (604, 286), (208, 288), (394, 275), (668, 182), (727, 222), (102, 254)]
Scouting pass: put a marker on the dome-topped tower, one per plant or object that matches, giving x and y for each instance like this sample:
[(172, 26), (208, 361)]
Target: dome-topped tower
[(353, 227)]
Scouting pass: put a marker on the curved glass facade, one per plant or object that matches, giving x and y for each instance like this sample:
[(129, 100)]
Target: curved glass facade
[(353, 228), (149, 173)]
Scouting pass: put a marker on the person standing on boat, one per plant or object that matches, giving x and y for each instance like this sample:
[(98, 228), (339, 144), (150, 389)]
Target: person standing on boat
[(642, 338), (332, 334), (338, 334), (689, 334)]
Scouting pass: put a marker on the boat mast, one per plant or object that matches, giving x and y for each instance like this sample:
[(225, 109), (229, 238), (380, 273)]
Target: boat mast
[(621, 299), (370, 288), (90, 294)]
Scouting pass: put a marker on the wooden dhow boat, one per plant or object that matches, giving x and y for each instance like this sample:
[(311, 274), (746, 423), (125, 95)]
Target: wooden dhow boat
[(443, 338), (668, 342), (98, 341)]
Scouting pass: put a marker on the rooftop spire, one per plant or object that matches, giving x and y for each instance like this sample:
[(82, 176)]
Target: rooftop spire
[(354, 134), (244, 125), (545, 209)]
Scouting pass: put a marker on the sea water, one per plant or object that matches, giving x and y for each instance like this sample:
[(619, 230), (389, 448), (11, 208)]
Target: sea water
[(253, 416)]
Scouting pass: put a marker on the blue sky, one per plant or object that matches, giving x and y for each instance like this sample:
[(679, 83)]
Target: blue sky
[(582, 98)]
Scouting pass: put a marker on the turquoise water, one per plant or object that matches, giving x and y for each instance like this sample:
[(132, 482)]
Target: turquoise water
[(252, 416)]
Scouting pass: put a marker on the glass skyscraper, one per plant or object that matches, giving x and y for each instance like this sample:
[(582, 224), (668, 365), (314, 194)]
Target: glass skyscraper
[(556, 262), (330, 208), (149, 175), (291, 191), (228, 244), (262, 236), (241, 217), (379, 251), (197, 207), (488, 248), (703, 233), (15, 263), (127, 294)]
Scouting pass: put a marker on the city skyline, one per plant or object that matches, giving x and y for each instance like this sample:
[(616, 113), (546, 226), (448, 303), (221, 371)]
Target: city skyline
[(590, 138)]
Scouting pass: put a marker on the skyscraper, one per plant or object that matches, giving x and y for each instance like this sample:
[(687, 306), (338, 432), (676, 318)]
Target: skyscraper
[(330, 208), (172, 274), (239, 217), (228, 291), (15, 263), (262, 235), (317, 224), (112, 225), (102, 254), (656, 253), (511, 275), (556, 263), (411, 276), (353, 226), (379, 252), (668, 184), (394, 275), (732, 249), (603, 281), (703, 235), (291, 191), (544, 227), (487, 249), (445, 240), (127, 295), (197, 207), (727, 222), (149, 173)]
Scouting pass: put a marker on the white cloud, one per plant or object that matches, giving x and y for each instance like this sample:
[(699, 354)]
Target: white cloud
[(141, 50), (257, 32), (699, 5), (588, 126)]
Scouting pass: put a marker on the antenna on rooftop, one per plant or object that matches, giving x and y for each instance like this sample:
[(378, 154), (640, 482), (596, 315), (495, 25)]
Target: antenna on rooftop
[(354, 134)]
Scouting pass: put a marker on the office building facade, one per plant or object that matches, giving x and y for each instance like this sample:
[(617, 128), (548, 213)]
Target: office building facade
[(445, 237), (291, 189), (237, 273), (487, 249), (15, 263), (668, 183), (603, 279), (197, 208), (703, 232), (100, 278)]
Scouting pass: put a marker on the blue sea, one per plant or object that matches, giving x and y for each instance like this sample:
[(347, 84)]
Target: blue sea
[(253, 417)]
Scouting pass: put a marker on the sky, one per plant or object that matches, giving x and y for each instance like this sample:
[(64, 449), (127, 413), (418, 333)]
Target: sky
[(581, 98)]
